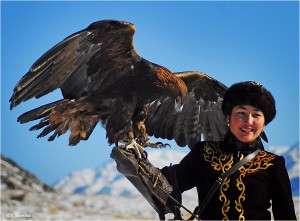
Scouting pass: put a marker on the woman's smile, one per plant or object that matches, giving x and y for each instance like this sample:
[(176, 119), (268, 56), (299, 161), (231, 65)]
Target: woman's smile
[(246, 122), (247, 130)]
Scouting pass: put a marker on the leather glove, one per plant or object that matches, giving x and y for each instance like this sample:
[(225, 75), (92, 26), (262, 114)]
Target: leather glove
[(149, 180)]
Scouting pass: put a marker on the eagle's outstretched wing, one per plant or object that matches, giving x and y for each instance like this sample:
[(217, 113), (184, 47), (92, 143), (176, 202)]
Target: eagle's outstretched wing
[(102, 79), (84, 63), (201, 113)]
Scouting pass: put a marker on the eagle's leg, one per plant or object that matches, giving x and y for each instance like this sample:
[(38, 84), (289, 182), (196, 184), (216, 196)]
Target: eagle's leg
[(141, 135), (145, 141), (138, 149)]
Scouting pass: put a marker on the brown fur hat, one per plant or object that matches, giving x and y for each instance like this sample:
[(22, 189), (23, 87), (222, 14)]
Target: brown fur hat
[(250, 93)]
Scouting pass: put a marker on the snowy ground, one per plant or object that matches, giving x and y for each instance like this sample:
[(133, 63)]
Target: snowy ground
[(62, 206), (21, 205)]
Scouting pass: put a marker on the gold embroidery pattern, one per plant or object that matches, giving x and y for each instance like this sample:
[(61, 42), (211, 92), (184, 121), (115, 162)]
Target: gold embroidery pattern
[(220, 162), (260, 162), (238, 203), (226, 205), (223, 162)]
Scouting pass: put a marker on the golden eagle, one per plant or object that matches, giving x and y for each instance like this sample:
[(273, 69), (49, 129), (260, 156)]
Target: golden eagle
[(103, 79)]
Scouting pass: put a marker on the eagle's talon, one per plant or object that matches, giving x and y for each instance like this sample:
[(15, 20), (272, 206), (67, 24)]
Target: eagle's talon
[(145, 154), (157, 144), (137, 148), (166, 145), (162, 145)]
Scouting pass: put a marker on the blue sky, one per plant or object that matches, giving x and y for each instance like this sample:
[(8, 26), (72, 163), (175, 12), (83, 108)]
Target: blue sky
[(230, 41)]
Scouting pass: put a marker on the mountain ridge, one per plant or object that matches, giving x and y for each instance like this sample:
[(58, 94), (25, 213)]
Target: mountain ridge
[(106, 179), (29, 199), (15, 177)]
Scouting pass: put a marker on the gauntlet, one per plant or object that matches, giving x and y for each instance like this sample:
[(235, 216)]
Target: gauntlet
[(149, 180)]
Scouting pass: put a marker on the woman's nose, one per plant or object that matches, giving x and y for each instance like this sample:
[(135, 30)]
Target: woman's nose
[(248, 118)]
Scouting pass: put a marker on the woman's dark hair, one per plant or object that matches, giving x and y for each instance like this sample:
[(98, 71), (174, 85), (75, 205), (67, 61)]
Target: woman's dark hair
[(250, 93)]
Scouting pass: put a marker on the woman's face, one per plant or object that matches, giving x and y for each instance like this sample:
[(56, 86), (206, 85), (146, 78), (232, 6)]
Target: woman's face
[(246, 122)]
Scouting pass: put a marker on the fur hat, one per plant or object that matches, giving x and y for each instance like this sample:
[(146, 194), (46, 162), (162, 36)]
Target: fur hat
[(250, 93)]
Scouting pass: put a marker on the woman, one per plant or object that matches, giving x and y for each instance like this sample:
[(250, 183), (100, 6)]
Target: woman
[(248, 193)]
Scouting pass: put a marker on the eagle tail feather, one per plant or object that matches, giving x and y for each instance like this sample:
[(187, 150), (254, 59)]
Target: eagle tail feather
[(59, 117)]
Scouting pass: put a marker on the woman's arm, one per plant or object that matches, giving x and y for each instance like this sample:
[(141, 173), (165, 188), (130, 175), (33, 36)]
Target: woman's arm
[(282, 201), (183, 176)]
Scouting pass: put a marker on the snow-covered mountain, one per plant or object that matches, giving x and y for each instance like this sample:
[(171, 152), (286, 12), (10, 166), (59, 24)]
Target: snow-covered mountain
[(106, 179), (23, 196), (16, 178), (291, 156)]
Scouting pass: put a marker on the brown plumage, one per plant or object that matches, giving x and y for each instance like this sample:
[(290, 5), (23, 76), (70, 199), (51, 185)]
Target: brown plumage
[(201, 113), (103, 79)]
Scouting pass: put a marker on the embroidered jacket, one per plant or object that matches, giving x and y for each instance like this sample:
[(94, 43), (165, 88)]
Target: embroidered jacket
[(245, 195)]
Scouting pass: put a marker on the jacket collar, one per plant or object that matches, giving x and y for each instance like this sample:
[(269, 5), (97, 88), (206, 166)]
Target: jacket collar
[(231, 144)]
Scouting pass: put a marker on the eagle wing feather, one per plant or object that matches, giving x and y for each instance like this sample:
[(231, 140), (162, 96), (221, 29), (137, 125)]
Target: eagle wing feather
[(201, 113), (82, 64), (91, 68)]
